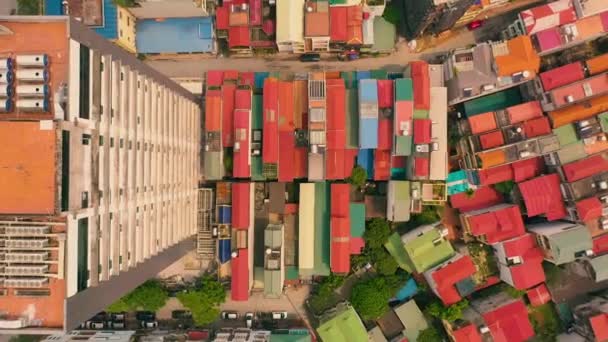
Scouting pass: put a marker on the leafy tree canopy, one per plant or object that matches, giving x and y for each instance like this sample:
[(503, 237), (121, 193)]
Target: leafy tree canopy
[(149, 296), (376, 233), (385, 263), (125, 3), (430, 334), (204, 301), (392, 14), (358, 176), (449, 313), (504, 187), (370, 297)]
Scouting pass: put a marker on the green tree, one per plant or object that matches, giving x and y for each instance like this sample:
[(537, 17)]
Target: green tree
[(204, 301), (449, 313), (430, 334), (385, 263), (125, 3), (392, 14), (504, 187), (358, 176), (370, 298), (149, 296), (29, 7), (376, 233)]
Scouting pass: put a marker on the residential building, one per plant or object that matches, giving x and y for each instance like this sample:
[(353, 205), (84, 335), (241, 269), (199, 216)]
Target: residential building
[(543, 17), (451, 280), (341, 324), (398, 201), (591, 318), (508, 321), (274, 260), (314, 230), (412, 319), (346, 25), (594, 268), (376, 335), (489, 67), (109, 197), (562, 242), (316, 25), (520, 261), (420, 249), (542, 196), (244, 26), (538, 295), (242, 241), (340, 228), (575, 92), (466, 333), (317, 126), (482, 197), (493, 224), (290, 27)]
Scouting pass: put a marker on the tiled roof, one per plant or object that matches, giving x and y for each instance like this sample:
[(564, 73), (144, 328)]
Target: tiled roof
[(451, 273), (542, 195), (491, 139), (498, 224), (482, 197), (530, 271), (562, 76)]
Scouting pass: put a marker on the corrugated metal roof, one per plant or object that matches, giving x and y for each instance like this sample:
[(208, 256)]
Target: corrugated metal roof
[(493, 102), (290, 21), (239, 286), (241, 203), (491, 139), (422, 131), (270, 153), (524, 111), (547, 16), (228, 92), (316, 24), (597, 64), (213, 114), (497, 224), (385, 134), (338, 18), (422, 84), (286, 156), (447, 277), (510, 322), (239, 36), (586, 167), (579, 111), (242, 154), (385, 94), (286, 106), (562, 75), (537, 127), (421, 166), (382, 164), (482, 123), (542, 195)]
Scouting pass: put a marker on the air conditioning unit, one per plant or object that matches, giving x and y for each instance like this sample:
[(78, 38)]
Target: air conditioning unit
[(516, 260), (443, 232), (26, 282), (32, 90), (22, 270), (26, 230), (484, 329), (237, 146), (22, 257), (435, 146), (584, 123), (422, 148), (569, 98), (589, 252), (32, 75), (244, 7), (32, 60), (488, 87), (206, 147), (526, 74), (604, 199), (314, 149), (605, 224), (27, 243), (525, 154), (602, 185), (33, 105)]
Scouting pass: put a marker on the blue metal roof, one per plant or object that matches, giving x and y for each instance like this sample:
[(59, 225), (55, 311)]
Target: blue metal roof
[(407, 291), (365, 159), (109, 30), (175, 35), (368, 133), (53, 7)]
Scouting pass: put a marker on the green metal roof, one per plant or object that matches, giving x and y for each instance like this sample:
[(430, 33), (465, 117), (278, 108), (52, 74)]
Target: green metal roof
[(272, 283), (352, 118), (600, 267), (404, 89), (350, 79), (427, 250), (273, 236), (493, 102), (213, 166), (379, 74), (412, 319), (257, 169), (385, 35), (572, 152), (603, 119), (291, 273), (420, 114), (357, 219), (292, 335), (256, 112), (566, 243), (322, 230), (345, 326), (403, 145), (565, 134), (394, 246)]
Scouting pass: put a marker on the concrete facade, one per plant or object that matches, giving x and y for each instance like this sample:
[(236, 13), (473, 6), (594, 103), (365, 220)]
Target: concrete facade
[(125, 171)]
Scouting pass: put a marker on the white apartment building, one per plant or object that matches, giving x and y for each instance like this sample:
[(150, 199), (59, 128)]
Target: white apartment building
[(99, 169)]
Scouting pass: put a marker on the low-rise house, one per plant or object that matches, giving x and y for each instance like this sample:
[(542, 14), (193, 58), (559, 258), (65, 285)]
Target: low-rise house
[(412, 319), (452, 280), (420, 249), (494, 224), (520, 262), (542, 196), (488, 68), (574, 92), (591, 318), (316, 25), (341, 324), (398, 201), (562, 242), (242, 241), (509, 322), (290, 26), (466, 333), (274, 260), (570, 34)]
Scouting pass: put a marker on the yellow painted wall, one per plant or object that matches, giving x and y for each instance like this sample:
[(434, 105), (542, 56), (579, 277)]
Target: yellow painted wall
[(126, 29)]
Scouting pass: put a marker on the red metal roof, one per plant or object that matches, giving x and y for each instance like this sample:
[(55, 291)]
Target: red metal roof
[(524, 111), (385, 134), (563, 75), (482, 123), (286, 111), (592, 86), (599, 324), (422, 131), (491, 140), (530, 271), (586, 167), (301, 162), (213, 113), (539, 295), (241, 203), (537, 127), (334, 160), (238, 36), (356, 245), (509, 323), (336, 139), (247, 78), (255, 12), (198, 335), (336, 105), (421, 166), (239, 286), (221, 18), (527, 169), (468, 333), (228, 91), (287, 142), (242, 99), (600, 244), (385, 94), (270, 150), (589, 209), (495, 175), (338, 30), (353, 25), (382, 164), (497, 225), (422, 84), (241, 167), (542, 195), (549, 39), (449, 275), (547, 16), (404, 111), (215, 78), (340, 228), (231, 75), (482, 197)]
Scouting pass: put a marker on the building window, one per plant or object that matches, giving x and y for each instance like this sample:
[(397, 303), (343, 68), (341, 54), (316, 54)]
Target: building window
[(84, 199), (84, 81), (120, 33), (65, 170), (111, 142), (128, 21), (120, 14), (101, 140), (83, 254), (121, 143), (86, 138)]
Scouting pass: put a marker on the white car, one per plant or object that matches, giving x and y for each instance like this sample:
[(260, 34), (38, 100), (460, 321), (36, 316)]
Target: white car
[(249, 319), (279, 315), (229, 315), (149, 324)]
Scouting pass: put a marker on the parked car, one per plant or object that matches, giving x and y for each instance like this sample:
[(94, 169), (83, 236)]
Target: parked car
[(118, 316), (230, 315), (249, 319), (310, 57), (181, 314), (279, 315), (475, 24), (145, 316), (117, 325), (148, 324), (95, 325)]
